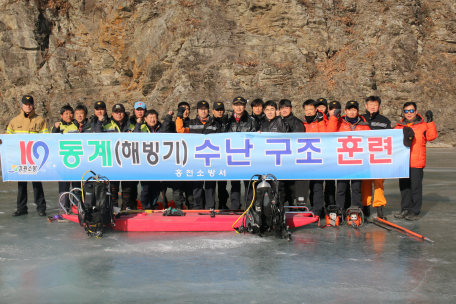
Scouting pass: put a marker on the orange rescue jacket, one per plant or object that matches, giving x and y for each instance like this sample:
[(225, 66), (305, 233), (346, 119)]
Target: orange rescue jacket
[(341, 125), (424, 132), (316, 126)]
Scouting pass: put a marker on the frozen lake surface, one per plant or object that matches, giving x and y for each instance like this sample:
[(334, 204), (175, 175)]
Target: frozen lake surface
[(42, 262)]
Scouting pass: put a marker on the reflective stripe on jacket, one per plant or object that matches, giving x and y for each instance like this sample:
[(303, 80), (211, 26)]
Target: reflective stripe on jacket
[(33, 124), (112, 126)]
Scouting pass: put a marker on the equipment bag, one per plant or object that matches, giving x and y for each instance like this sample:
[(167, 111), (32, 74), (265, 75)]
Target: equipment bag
[(95, 212), (266, 213)]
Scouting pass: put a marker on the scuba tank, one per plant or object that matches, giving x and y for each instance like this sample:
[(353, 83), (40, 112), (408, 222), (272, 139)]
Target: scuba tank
[(355, 217), (95, 212), (265, 214)]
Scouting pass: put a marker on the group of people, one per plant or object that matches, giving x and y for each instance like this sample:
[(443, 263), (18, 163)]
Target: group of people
[(269, 116)]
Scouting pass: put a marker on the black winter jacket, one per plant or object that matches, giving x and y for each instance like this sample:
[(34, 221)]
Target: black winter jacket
[(223, 126), (294, 123), (196, 126), (277, 125), (377, 121), (259, 119), (246, 124), (97, 126)]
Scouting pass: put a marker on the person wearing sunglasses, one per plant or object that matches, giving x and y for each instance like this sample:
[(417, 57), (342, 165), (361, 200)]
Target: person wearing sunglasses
[(421, 132)]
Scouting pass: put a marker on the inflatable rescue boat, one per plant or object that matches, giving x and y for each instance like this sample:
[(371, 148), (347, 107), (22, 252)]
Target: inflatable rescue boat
[(194, 220)]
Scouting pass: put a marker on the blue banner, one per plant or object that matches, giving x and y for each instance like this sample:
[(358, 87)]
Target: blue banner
[(225, 156)]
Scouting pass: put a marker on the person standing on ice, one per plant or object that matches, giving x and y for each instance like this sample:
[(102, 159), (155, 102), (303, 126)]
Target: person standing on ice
[(179, 187), (150, 190), (240, 121), (351, 121), (412, 187), (218, 114), (314, 122), (275, 124), (201, 124), (28, 122), (120, 123), (295, 189), (376, 122), (66, 123)]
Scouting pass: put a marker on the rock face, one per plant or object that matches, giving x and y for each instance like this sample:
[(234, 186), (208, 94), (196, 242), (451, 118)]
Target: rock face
[(164, 52)]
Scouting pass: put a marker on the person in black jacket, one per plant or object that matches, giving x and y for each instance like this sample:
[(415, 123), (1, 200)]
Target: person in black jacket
[(120, 123), (83, 125), (202, 124), (286, 111), (240, 121), (150, 190), (275, 124), (376, 122), (66, 122), (99, 118), (218, 114), (179, 187), (294, 189), (137, 119), (257, 111)]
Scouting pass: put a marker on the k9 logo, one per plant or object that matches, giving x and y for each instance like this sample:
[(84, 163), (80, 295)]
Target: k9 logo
[(31, 155)]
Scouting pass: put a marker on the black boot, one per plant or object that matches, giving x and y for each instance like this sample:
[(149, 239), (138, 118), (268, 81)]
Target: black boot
[(366, 211), (19, 212), (401, 214), (380, 213), (412, 216)]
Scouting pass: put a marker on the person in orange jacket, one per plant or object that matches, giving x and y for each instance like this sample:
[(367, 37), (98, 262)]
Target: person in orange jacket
[(315, 122), (351, 121), (412, 187)]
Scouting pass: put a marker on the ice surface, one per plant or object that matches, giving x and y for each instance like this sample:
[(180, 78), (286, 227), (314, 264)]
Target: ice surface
[(42, 262)]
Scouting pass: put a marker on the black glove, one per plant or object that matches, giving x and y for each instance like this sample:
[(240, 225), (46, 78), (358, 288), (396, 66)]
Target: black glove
[(409, 134), (337, 113), (180, 112), (224, 119), (429, 116)]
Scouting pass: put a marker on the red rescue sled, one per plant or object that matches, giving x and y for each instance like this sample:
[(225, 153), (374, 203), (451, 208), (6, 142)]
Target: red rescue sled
[(192, 221)]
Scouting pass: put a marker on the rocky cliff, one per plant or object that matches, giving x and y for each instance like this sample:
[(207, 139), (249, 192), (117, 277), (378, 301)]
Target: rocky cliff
[(164, 52)]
